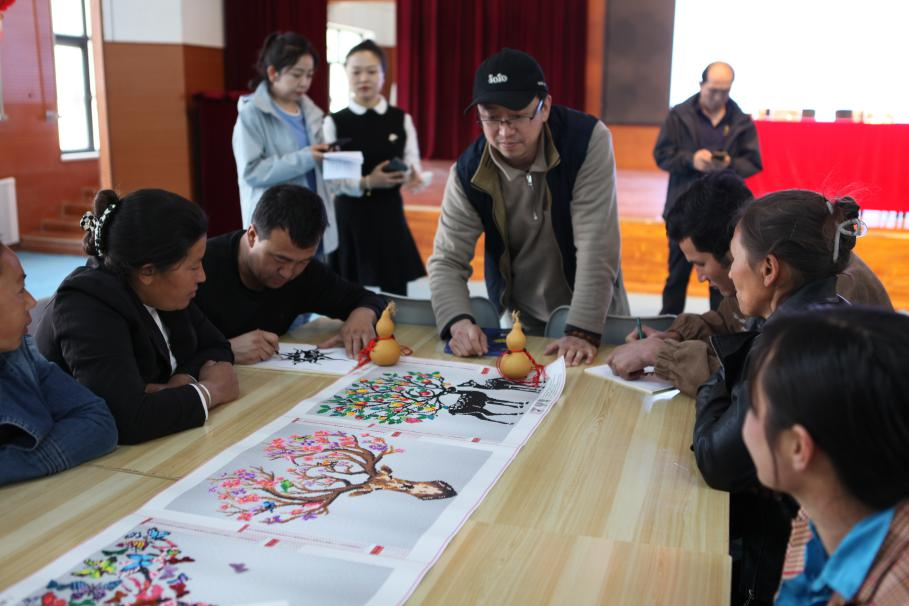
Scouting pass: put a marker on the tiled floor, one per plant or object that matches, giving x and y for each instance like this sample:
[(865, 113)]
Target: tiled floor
[(44, 272)]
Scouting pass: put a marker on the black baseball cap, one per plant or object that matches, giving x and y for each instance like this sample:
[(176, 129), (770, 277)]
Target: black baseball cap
[(509, 78)]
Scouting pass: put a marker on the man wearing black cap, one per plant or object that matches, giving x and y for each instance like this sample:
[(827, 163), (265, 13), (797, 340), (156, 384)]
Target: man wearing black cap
[(540, 184)]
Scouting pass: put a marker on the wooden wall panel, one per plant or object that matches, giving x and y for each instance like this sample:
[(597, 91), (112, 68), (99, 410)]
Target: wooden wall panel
[(203, 71), (634, 146), (595, 64), (146, 107), (29, 145), (638, 57), (391, 76)]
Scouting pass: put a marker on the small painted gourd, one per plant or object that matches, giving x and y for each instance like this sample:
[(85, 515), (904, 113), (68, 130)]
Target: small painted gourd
[(515, 363), (386, 351)]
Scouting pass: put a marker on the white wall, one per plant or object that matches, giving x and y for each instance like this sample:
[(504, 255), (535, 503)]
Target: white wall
[(196, 22), (376, 16), (797, 54)]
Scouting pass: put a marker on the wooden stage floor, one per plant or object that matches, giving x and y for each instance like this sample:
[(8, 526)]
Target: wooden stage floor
[(641, 195)]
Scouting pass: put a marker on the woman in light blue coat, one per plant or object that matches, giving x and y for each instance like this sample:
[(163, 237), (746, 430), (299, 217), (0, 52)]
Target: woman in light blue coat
[(278, 135)]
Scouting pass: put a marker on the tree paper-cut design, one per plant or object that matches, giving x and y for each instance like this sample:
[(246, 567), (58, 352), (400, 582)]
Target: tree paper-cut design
[(415, 397), (393, 398), (324, 466), (142, 568)]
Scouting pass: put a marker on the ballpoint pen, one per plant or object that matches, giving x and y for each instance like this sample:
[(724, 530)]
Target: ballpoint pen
[(637, 323)]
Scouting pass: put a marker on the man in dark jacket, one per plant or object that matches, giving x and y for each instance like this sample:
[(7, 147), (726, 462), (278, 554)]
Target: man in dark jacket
[(706, 133), (260, 279)]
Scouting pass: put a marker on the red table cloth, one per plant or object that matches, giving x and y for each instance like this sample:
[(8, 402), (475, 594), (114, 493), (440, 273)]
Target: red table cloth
[(867, 161)]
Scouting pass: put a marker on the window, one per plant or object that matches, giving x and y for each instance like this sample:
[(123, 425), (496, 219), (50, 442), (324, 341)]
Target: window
[(339, 40), (77, 109)]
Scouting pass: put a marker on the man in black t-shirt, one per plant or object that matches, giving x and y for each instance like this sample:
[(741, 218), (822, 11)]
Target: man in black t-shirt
[(259, 280)]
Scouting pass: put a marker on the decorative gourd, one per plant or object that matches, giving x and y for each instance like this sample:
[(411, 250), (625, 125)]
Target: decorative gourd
[(386, 350), (516, 363)]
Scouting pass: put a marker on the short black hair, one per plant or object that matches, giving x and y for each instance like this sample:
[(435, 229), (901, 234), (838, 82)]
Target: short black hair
[(372, 47), (840, 372), (706, 212), (298, 210), (707, 69)]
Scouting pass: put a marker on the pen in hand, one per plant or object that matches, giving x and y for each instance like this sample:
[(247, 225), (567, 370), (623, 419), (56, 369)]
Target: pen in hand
[(637, 323)]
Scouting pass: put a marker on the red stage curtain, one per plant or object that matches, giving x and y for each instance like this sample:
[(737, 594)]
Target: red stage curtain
[(247, 22), (441, 43), (836, 159), (216, 170)]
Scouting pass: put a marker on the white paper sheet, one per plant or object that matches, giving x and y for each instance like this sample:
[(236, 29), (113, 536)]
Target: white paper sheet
[(342, 165), (143, 558), (307, 358), (649, 383)]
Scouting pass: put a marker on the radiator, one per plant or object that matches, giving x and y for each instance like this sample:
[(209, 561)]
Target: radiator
[(9, 217)]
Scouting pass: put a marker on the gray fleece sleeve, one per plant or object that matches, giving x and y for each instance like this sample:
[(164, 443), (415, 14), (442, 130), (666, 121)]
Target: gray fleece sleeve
[(595, 219), (449, 265)]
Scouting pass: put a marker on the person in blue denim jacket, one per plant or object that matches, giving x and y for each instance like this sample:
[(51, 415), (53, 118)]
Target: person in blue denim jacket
[(48, 421)]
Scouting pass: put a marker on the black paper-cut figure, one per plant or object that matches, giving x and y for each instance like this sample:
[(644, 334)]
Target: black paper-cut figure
[(306, 356)]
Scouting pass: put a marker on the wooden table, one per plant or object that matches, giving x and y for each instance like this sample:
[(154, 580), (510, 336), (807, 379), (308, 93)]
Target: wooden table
[(43, 519), (604, 504)]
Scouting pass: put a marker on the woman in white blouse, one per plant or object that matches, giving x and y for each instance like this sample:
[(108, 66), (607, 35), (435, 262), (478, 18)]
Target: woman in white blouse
[(376, 247)]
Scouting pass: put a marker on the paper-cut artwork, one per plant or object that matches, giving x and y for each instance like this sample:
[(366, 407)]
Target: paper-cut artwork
[(337, 485), (415, 397), (353, 510), (144, 567), (149, 561), (448, 399), (307, 358), (325, 466)]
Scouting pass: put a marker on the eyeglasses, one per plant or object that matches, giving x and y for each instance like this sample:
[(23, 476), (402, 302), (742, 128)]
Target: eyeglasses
[(515, 121)]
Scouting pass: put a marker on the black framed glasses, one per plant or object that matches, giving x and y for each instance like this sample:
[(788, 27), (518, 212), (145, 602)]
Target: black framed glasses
[(514, 121)]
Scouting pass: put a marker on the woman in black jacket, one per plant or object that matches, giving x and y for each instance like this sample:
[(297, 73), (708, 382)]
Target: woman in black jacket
[(787, 249), (124, 324)]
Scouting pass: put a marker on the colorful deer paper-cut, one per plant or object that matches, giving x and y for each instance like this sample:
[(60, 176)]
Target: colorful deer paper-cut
[(323, 467)]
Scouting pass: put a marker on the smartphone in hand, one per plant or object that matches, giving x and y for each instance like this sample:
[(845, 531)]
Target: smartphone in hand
[(719, 156), (337, 145), (395, 165)]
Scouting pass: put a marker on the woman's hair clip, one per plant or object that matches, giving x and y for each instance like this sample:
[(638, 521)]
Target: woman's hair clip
[(858, 229), (89, 222)]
